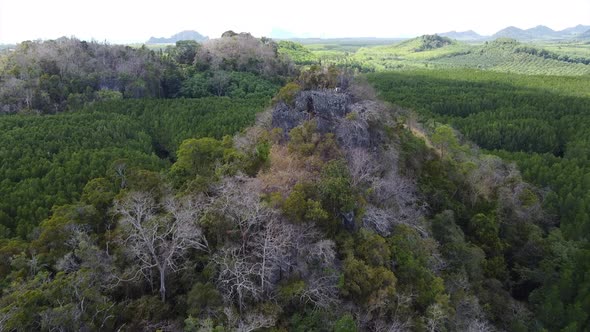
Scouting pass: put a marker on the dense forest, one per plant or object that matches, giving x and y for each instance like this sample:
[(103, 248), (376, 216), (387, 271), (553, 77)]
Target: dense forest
[(217, 186), (65, 74), (47, 160), (542, 125)]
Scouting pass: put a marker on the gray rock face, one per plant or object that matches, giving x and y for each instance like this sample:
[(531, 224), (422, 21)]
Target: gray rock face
[(354, 132), (286, 118), (327, 107)]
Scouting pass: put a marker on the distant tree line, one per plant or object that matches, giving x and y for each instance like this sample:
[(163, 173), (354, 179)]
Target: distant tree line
[(551, 55), (65, 74), (52, 76)]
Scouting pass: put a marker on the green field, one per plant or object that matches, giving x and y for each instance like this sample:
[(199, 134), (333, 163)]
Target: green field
[(434, 52), (581, 49)]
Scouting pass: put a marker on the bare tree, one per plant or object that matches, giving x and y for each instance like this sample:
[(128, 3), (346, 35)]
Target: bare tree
[(321, 290), (239, 202), (378, 220), (255, 321), (361, 89), (5, 317), (240, 270), (237, 276), (220, 81), (159, 235), (394, 326), (265, 241), (251, 321), (317, 257), (457, 282), (511, 207), (120, 169), (272, 247), (269, 249), (393, 186), (403, 301), (353, 131), (321, 252), (468, 313), (88, 273), (166, 325), (382, 221), (478, 325), (488, 174), (243, 52), (362, 166), (435, 317)]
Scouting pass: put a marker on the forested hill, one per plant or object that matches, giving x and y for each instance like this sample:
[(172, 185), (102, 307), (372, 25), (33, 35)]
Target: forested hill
[(238, 192), (327, 214), (541, 123), (49, 77), (112, 116), (65, 74)]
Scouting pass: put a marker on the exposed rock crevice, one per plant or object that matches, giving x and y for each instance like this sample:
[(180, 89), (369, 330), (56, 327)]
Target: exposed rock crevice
[(327, 107)]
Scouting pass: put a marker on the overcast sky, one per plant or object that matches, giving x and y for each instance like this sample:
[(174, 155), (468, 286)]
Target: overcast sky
[(123, 21)]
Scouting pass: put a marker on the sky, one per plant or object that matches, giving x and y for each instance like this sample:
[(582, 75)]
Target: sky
[(128, 21)]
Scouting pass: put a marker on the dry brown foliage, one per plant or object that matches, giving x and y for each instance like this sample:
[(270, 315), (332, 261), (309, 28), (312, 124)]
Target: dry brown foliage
[(287, 169)]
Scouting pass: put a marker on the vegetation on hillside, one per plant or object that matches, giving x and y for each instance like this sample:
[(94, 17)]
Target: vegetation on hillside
[(47, 160), (435, 52), (538, 123), (508, 55), (345, 222), (186, 206), (66, 74), (297, 52), (50, 76)]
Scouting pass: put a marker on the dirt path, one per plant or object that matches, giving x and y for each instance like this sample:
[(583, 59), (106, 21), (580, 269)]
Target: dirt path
[(418, 131)]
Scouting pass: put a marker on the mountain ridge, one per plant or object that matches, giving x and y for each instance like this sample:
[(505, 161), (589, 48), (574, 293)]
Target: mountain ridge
[(183, 35), (539, 32), (462, 35), (584, 35)]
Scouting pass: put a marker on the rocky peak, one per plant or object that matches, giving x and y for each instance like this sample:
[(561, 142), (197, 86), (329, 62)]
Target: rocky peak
[(326, 106)]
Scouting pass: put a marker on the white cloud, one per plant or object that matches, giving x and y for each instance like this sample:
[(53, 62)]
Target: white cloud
[(136, 21)]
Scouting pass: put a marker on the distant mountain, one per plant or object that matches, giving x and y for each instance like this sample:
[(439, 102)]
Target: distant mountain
[(184, 35), (584, 35), (541, 32), (462, 35), (512, 32), (578, 29)]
